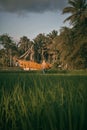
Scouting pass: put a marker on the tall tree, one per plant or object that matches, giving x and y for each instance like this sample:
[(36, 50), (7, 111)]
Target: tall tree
[(40, 47), (67, 35), (9, 49), (24, 44), (78, 11), (53, 34)]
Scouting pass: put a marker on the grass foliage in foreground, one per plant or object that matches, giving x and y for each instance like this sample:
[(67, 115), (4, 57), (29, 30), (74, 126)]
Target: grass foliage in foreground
[(42, 102)]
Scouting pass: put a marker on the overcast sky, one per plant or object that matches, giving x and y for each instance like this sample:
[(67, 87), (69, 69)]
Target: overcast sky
[(30, 17)]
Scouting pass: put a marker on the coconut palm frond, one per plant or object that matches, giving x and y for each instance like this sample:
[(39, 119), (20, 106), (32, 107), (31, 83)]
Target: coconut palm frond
[(68, 10), (78, 11)]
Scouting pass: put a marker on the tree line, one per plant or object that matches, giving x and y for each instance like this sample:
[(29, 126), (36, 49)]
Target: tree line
[(67, 47), (9, 48)]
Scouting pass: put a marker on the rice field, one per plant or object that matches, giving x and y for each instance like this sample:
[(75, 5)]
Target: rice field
[(35, 101)]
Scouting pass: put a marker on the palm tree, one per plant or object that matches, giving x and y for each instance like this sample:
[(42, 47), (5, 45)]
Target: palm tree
[(78, 11), (24, 44), (67, 35), (40, 47), (9, 48), (53, 34)]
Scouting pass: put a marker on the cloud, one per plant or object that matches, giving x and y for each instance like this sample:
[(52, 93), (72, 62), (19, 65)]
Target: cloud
[(32, 5)]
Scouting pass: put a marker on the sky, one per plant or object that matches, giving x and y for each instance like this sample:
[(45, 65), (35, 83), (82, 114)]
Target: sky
[(31, 17)]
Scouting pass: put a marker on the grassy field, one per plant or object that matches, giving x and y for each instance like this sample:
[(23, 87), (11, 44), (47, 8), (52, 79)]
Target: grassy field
[(36, 101)]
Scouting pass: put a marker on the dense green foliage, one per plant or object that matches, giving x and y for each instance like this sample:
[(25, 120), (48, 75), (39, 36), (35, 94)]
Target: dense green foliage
[(31, 101), (71, 44), (78, 11)]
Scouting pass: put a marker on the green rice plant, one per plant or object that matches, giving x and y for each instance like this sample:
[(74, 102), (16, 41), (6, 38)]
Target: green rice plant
[(43, 102)]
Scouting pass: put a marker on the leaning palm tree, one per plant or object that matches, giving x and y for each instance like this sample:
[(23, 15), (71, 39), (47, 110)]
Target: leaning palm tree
[(78, 11)]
